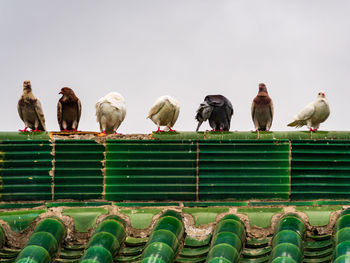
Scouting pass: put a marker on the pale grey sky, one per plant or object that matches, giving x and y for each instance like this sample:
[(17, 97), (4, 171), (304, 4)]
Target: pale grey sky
[(184, 48)]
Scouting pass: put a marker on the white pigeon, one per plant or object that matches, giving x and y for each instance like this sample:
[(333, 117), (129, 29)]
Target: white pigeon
[(313, 114), (110, 112), (164, 112)]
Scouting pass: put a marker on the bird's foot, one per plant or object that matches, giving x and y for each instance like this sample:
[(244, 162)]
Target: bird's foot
[(74, 130), (313, 130), (65, 130), (116, 133), (36, 130), (24, 130), (171, 130), (159, 130)]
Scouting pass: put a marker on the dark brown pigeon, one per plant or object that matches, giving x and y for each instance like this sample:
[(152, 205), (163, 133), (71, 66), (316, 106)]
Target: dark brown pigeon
[(30, 110), (218, 109), (262, 110), (68, 110)]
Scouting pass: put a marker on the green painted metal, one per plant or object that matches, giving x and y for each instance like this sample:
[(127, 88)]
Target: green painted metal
[(78, 169), (320, 169), (150, 170), (24, 170), (243, 170)]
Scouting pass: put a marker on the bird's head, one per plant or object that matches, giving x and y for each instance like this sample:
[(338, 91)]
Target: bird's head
[(262, 88), (321, 94), (66, 91), (27, 86)]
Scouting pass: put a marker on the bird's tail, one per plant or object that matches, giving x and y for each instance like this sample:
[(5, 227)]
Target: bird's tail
[(297, 123)]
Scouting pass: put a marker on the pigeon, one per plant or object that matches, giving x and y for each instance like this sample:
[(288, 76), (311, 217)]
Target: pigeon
[(164, 112), (218, 109), (313, 114), (262, 110), (30, 110), (110, 112), (68, 110)]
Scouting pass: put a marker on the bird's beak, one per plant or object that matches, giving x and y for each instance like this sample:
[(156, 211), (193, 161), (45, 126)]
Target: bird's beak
[(199, 125), (60, 92)]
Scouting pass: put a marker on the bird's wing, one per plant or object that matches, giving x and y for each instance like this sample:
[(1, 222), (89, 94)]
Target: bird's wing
[(59, 113), (79, 110), (19, 109), (176, 115), (40, 113), (156, 108), (306, 113), (229, 110), (271, 110), (252, 109)]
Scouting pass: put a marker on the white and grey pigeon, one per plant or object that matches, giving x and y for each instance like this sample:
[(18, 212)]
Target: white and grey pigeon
[(313, 114), (30, 110), (164, 112), (110, 112)]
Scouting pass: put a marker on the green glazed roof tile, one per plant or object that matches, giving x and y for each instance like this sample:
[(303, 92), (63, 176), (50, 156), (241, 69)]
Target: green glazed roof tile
[(20, 220), (204, 216), (140, 218), (193, 242), (318, 216), (260, 217), (84, 218)]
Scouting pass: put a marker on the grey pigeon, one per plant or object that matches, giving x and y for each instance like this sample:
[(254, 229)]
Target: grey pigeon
[(218, 109), (262, 110), (30, 110), (313, 114)]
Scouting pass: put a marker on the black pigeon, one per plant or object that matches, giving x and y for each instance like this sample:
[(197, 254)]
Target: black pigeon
[(218, 109)]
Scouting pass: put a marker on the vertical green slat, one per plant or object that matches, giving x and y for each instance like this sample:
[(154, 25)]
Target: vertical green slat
[(78, 169), (243, 169), (150, 170), (25, 170), (320, 169)]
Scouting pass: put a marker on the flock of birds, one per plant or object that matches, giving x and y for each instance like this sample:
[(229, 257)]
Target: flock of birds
[(111, 111)]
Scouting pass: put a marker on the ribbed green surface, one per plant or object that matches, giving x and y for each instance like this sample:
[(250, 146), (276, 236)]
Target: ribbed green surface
[(78, 173), (243, 169), (150, 170), (25, 167), (320, 169)]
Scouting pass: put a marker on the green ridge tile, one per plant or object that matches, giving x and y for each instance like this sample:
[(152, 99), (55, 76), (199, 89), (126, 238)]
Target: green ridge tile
[(203, 215), (260, 217), (84, 218), (281, 203), (318, 216), (140, 218), (206, 204), (131, 251), (145, 204), (19, 205), (77, 204), (20, 220)]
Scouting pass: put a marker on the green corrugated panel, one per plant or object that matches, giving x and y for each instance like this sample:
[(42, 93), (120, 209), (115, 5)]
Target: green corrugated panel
[(320, 169), (78, 169), (25, 167), (246, 169), (150, 170)]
